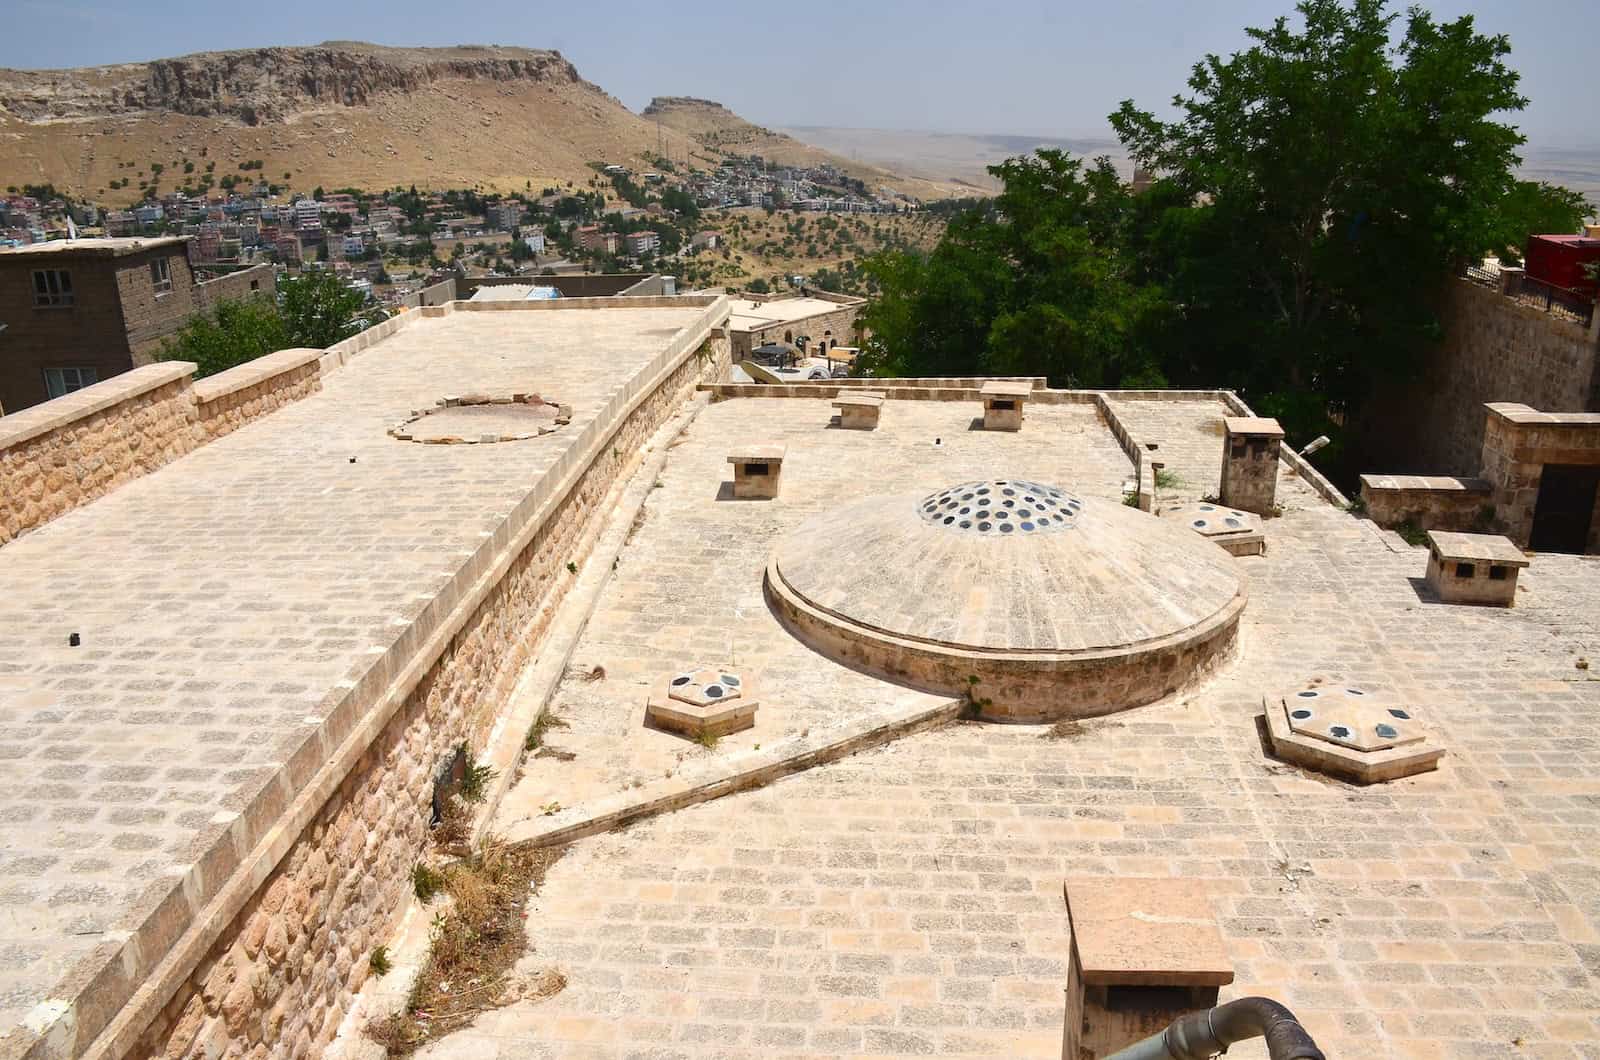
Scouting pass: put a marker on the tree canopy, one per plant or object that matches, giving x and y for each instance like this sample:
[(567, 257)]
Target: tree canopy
[(312, 310), (1316, 191)]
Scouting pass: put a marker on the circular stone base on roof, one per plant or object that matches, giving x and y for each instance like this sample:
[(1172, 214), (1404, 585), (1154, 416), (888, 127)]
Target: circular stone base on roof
[(480, 420), (1094, 607)]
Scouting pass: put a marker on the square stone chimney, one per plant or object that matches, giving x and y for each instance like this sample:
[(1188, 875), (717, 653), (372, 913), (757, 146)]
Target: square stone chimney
[(756, 471), (1002, 404), (1474, 568), (1144, 952), (858, 412), (1250, 463)]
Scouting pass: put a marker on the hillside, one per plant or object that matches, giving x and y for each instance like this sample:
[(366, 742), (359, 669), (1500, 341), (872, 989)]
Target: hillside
[(337, 114), (719, 129)]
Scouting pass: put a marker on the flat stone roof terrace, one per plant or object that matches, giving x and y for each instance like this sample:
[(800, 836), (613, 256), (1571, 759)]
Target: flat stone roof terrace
[(908, 900), (225, 601)]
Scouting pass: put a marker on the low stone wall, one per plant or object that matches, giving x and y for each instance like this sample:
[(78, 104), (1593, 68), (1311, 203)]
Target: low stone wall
[(273, 961), (1427, 502), (66, 452), (257, 280), (228, 400)]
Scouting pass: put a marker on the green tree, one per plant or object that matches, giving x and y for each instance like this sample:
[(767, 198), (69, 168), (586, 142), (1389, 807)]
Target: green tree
[(1323, 185), (1535, 208), (318, 310), (1039, 282), (231, 334)]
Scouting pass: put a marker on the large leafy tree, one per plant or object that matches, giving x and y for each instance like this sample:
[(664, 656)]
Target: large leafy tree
[(320, 310), (312, 310), (1037, 282), (1328, 180)]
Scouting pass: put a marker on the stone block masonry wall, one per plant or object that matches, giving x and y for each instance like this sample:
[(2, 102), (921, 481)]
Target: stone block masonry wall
[(227, 401), (257, 280), (1517, 444), (1494, 349), (1427, 502), (279, 977), (65, 453)]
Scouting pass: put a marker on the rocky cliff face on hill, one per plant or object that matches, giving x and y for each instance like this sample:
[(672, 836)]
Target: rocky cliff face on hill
[(348, 114), (266, 84)]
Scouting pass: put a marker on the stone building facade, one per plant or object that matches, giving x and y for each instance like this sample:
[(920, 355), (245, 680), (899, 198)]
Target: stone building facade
[(757, 323), (76, 312)]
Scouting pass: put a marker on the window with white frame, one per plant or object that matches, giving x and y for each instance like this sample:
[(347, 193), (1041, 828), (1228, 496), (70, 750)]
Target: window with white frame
[(161, 275), (52, 288), (61, 381)]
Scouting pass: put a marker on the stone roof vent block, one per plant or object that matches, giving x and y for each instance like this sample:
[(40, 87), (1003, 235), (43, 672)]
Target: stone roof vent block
[(703, 703), (1361, 734)]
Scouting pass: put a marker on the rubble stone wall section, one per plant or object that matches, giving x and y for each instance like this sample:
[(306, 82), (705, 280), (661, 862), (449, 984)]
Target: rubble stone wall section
[(65, 453), (1428, 502), (229, 400), (280, 977)]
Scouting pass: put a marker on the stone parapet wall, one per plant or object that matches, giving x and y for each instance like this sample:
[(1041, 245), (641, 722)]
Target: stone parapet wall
[(64, 453), (228, 400), (1427, 502), (272, 960)]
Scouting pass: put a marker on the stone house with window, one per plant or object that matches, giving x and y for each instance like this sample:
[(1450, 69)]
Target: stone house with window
[(75, 312)]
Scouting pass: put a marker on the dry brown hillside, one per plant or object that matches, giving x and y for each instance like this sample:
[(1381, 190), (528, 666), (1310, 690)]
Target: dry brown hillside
[(720, 129), (337, 114)]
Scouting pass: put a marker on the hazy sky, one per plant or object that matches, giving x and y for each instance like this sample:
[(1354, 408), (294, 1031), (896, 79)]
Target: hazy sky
[(1002, 66)]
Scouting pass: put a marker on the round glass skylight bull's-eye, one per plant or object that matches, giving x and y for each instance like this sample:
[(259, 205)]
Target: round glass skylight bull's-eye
[(1001, 508)]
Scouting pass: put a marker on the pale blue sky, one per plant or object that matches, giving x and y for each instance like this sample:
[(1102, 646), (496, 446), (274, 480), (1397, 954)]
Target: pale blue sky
[(999, 66)]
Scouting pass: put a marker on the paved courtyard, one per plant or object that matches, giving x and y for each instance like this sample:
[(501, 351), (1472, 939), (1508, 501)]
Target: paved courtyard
[(907, 900)]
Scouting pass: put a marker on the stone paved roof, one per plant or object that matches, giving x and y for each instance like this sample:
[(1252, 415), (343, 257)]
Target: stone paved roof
[(223, 599)]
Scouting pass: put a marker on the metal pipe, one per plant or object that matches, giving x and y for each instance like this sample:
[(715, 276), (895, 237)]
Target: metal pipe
[(1201, 1035)]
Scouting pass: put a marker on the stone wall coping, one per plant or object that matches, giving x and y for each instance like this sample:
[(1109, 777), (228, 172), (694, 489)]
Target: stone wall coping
[(1001, 388), (30, 423), (1426, 483), (1254, 426), (252, 373), (873, 400), (1513, 412)]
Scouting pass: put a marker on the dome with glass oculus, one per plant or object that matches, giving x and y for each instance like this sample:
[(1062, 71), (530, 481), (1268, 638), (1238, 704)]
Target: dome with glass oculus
[(1058, 606)]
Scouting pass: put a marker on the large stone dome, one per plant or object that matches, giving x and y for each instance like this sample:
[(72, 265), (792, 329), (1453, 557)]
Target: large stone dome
[(1059, 606)]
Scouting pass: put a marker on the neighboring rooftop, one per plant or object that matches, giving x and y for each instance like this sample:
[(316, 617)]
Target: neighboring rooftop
[(750, 315), (109, 246)]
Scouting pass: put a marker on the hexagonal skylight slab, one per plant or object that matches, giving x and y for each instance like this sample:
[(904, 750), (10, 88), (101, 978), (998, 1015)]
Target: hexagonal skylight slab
[(1361, 734), (1238, 532), (1352, 717), (1001, 508), (706, 702)]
